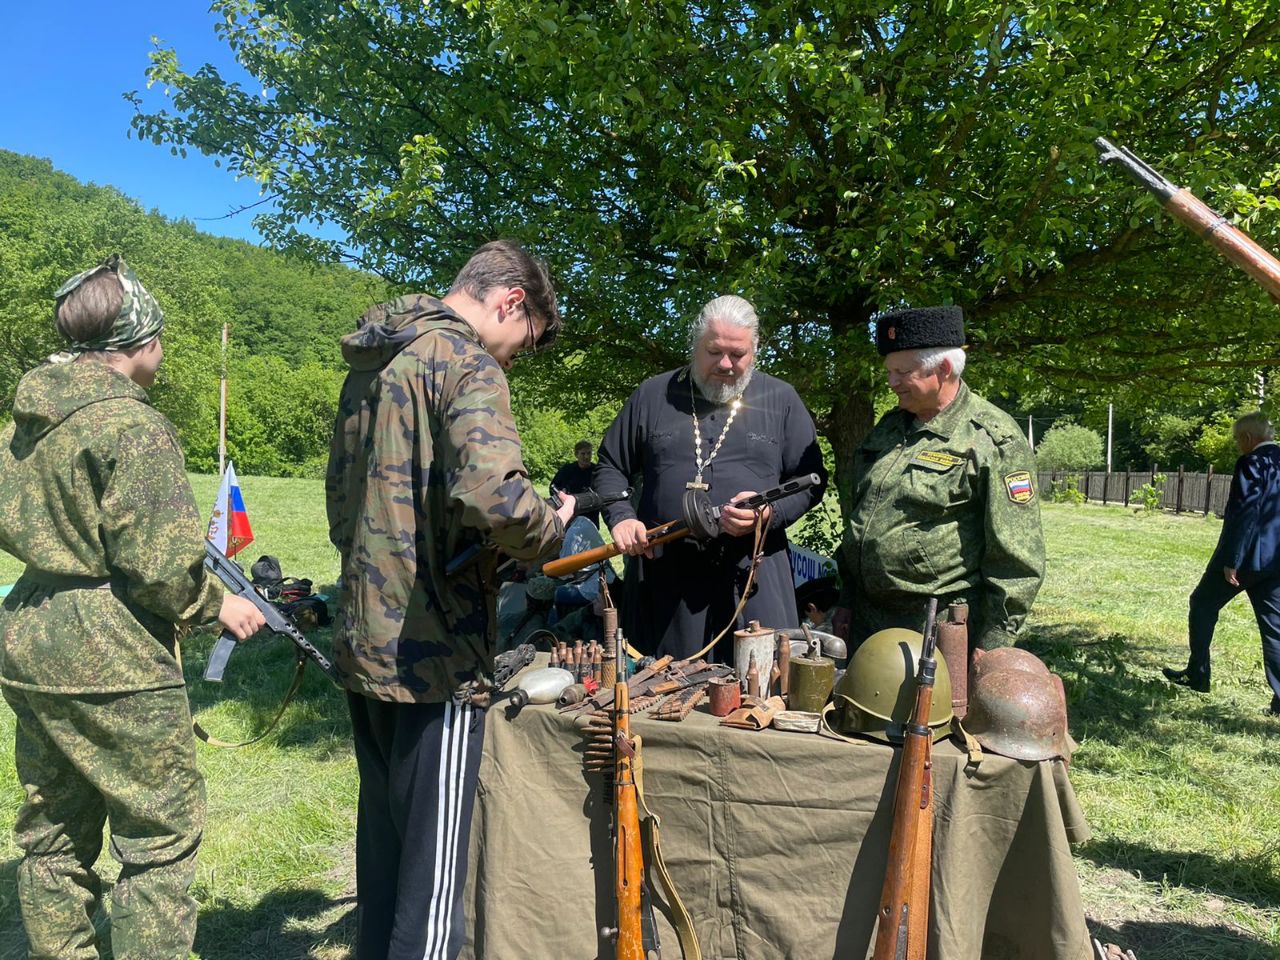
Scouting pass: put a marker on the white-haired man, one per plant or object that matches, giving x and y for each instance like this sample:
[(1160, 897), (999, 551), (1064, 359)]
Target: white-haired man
[(944, 501), (1246, 559), (722, 426)]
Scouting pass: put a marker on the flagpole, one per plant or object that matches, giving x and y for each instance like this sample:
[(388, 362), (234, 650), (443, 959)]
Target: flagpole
[(222, 407)]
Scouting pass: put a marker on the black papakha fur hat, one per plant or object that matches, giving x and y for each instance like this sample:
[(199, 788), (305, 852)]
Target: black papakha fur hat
[(920, 328)]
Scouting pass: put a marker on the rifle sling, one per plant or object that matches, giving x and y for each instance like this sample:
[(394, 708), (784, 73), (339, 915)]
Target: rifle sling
[(680, 917), (294, 684)]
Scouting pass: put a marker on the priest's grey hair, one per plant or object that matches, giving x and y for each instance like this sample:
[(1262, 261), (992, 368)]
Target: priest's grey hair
[(729, 309)]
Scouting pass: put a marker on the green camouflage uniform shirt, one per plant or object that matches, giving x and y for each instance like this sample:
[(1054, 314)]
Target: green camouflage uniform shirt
[(93, 486), (947, 509), (425, 463)]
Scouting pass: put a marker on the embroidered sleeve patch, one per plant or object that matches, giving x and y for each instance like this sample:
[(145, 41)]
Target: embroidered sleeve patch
[(1019, 486), (940, 459)]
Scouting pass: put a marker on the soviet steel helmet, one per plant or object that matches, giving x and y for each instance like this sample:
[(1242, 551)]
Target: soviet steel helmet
[(1020, 714), (877, 693)]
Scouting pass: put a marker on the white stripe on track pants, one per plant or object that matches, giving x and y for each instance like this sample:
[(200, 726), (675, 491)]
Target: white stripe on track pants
[(418, 766)]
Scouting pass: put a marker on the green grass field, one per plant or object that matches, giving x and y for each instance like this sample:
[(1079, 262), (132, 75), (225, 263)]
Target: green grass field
[(1180, 788)]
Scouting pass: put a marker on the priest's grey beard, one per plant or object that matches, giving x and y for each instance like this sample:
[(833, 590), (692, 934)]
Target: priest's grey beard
[(722, 392)]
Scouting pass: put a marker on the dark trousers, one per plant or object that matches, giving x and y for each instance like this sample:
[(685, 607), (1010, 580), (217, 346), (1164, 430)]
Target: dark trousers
[(1211, 595), (418, 767)]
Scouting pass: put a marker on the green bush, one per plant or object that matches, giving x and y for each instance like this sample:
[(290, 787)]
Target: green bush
[(1067, 490), (1149, 495), (1069, 447)]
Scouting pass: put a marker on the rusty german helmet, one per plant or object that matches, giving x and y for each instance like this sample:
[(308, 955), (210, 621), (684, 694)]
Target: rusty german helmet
[(877, 693), (1018, 713), (1004, 658)]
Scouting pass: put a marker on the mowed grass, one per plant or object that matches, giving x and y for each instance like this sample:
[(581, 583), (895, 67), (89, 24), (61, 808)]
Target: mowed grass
[(1181, 789)]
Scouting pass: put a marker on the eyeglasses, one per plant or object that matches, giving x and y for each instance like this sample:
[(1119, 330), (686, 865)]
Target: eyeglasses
[(533, 336)]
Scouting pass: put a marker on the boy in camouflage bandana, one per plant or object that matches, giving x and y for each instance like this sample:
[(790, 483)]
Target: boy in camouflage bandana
[(425, 463), (95, 500)]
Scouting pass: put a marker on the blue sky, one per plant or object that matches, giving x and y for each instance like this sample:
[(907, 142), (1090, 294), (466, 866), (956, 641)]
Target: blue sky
[(66, 66)]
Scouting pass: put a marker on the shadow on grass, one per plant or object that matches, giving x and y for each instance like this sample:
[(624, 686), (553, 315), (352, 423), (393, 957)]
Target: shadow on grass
[(257, 677), (283, 925), (1155, 940), (1115, 700)]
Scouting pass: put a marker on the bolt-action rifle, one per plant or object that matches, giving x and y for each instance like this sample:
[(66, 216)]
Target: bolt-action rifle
[(1198, 217), (903, 918), (628, 855), (701, 521)]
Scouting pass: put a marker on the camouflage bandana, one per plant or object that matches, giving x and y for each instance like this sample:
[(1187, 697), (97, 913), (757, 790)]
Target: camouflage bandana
[(140, 318)]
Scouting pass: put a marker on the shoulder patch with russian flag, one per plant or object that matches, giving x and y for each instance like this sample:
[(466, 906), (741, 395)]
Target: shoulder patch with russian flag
[(1019, 486)]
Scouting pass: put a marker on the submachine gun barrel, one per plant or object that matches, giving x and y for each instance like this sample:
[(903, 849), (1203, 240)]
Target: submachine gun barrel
[(700, 522), (1198, 217)]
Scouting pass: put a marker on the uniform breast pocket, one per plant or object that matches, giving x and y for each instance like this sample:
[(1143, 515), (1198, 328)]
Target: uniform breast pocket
[(939, 485)]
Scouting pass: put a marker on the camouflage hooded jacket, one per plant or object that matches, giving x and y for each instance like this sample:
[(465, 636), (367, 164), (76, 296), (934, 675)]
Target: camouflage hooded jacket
[(425, 462), (93, 486)]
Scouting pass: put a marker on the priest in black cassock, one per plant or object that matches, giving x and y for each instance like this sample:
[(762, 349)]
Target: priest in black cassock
[(720, 423)]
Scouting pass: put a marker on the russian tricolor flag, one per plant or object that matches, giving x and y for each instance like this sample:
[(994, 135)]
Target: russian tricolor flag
[(229, 528)]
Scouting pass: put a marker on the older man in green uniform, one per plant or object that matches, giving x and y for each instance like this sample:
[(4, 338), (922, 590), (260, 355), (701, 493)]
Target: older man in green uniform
[(95, 500), (944, 500)]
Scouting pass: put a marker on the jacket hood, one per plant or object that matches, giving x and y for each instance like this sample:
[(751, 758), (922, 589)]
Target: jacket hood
[(388, 328), (50, 393)]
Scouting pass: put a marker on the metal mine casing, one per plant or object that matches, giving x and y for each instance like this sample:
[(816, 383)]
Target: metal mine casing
[(811, 682)]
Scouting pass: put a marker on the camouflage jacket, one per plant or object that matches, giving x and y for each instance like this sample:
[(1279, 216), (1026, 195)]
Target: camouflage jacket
[(425, 463), (93, 488), (946, 508)]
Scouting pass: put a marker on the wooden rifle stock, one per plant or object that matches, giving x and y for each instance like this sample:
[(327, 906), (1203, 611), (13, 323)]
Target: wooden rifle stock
[(628, 852), (902, 920), (704, 519), (1198, 217), (564, 566)]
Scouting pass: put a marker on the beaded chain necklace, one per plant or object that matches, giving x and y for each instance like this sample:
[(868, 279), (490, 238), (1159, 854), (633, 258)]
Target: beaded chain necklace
[(696, 483)]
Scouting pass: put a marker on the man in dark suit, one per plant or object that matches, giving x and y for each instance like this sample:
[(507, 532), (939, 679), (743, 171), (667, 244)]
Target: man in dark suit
[(1247, 558)]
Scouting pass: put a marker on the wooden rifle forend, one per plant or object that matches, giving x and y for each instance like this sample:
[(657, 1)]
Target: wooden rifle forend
[(910, 805)]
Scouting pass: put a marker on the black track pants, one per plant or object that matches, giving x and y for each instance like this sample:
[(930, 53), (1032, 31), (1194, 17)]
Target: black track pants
[(418, 765)]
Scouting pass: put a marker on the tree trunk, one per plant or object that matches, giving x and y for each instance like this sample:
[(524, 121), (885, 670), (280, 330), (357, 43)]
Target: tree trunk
[(850, 420)]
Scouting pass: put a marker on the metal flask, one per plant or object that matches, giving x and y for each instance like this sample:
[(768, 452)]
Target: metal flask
[(812, 678)]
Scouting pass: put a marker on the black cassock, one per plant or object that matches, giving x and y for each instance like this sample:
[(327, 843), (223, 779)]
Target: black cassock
[(675, 603)]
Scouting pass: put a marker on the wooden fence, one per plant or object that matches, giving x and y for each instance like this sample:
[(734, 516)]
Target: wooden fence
[(1183, 492)]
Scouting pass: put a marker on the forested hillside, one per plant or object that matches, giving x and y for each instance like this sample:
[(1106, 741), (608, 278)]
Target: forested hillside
[(286, 318)]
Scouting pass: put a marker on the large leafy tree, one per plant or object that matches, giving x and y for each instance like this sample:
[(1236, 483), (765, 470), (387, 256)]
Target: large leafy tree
[(828, 159)]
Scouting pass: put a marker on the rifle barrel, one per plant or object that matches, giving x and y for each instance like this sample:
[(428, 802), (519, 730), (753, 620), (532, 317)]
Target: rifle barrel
[(1197, 216)]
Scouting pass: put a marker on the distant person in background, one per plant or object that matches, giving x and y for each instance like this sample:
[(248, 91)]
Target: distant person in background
[(94, 499), (576, 477), (1247, 558)]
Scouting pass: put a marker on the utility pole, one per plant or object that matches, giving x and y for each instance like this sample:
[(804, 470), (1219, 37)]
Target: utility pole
[(1109, 438), (222, 407), (1031, 434)]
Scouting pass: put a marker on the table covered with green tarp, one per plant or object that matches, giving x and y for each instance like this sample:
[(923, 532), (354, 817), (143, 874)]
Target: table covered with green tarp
[(777, 843)]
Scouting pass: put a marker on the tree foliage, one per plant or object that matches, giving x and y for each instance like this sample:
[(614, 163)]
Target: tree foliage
[(286, 316), (826, 159), (1069, 447)]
